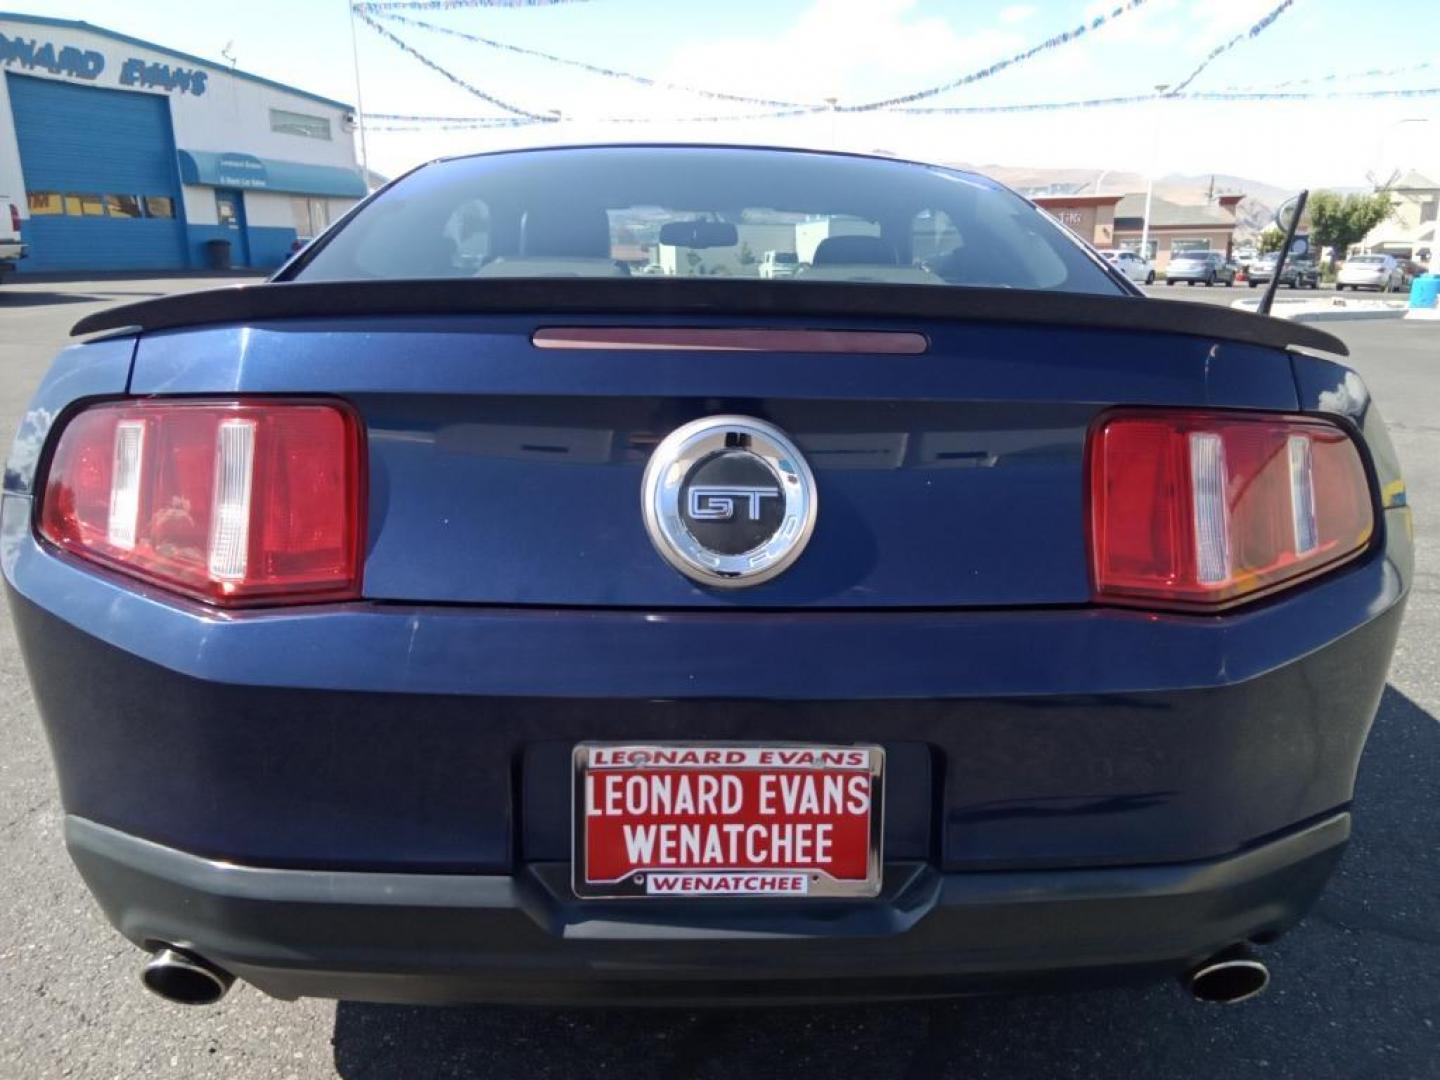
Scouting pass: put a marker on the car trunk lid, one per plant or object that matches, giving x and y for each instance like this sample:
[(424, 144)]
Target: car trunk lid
[(948, 474)]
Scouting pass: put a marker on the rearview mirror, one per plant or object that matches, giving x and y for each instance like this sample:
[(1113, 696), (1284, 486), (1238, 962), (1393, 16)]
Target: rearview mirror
[(699, 234)]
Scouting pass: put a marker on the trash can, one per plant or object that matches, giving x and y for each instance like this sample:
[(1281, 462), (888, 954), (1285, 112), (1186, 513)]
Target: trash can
[(217, 254), (1425, 291)]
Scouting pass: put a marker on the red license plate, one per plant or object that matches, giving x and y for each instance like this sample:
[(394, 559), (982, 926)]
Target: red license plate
[(693, 821)]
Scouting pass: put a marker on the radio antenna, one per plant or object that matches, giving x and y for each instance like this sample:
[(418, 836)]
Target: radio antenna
[(1268, 300)]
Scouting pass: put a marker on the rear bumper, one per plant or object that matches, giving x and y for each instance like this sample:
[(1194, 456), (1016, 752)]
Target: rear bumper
[(370, 801), (439, 938)]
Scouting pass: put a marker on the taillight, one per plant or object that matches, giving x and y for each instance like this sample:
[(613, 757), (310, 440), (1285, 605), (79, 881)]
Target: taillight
[(229, 502), (14, 218), (1192, 509)]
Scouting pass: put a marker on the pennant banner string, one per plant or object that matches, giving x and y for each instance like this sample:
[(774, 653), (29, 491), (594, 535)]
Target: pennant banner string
[(1373, 73), (418, 122), (1214, 95), (1056, 42), (596, 69), (1220, 50), (380, 7), (432, 65)]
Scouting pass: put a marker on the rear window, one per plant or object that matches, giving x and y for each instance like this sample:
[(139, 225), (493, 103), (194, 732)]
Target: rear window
[(1368, 260), (696, 212)]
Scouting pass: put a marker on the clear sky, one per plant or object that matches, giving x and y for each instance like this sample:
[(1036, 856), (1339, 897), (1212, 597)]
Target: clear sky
[(858, 50)]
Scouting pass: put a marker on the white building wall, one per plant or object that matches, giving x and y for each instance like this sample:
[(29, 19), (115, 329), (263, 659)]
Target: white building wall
[(266, 208)]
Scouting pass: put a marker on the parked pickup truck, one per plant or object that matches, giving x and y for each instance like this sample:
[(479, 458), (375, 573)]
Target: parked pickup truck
[(11, 249)]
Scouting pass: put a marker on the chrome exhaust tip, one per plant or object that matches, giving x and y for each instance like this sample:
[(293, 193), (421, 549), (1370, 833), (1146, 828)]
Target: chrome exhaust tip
[(184, 978), (1228, 979)]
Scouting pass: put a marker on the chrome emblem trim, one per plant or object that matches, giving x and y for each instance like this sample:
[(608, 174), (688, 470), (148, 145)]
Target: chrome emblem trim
[(667, 500)]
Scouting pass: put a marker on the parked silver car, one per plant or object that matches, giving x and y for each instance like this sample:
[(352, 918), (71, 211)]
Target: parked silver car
[(1383, 273), (1132, 264), (1205, 267)]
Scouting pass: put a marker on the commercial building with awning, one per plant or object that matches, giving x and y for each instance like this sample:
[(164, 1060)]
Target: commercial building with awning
[(127, 155)]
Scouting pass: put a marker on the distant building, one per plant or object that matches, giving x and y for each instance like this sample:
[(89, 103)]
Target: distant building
[(809, 234), (1411, 233), (1116, 221), (1091, 217), (127, 155), (742, 260), (1175, 228)]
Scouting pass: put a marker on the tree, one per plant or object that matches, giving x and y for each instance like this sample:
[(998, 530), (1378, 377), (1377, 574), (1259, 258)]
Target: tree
[(1272, 239), (746, 257), (1338, 221)]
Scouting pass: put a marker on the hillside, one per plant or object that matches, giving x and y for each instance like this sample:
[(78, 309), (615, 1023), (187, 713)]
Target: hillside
[(1255, 212)]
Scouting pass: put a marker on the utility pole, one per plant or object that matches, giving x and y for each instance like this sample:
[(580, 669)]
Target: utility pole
[(1150, 175), (359, 102)]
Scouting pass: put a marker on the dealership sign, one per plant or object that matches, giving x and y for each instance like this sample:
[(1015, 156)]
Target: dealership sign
[(31, 54), (241, 170)]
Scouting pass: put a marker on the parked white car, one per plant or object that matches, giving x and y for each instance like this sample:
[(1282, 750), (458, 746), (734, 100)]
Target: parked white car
[(779, 264), (11, 248), (1382, 273), (1132, 265)]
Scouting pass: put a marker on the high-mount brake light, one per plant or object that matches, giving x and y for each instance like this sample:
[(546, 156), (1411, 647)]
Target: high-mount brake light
[(230, 502), (1193, 509)]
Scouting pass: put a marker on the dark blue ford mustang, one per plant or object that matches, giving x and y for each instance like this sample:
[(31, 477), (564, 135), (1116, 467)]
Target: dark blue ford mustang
[(534, 594)]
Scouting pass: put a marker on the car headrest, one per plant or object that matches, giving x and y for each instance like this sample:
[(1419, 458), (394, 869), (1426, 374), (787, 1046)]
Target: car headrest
[(853, 251), (572, 231)]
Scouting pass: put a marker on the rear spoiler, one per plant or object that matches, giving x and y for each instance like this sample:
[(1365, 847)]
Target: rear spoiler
[(704, 298)]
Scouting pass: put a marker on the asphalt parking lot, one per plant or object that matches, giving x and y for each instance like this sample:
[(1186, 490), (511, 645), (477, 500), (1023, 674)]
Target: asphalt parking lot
[(1356, 989), (1221, 294)]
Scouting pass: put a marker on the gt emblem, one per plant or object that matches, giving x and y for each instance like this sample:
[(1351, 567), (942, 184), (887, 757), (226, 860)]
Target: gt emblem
[(718, 503), (728, 501)]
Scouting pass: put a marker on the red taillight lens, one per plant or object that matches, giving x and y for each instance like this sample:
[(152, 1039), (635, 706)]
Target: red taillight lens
[(14, 218), (1198, 508), (229, 502)]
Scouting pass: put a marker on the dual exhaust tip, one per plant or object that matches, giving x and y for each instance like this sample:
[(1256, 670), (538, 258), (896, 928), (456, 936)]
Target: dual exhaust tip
[(186, 979)]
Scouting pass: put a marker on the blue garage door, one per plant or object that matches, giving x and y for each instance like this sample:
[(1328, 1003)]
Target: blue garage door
[(100, 176)]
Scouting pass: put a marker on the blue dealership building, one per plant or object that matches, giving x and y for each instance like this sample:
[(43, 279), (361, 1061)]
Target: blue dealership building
[(126, 155)]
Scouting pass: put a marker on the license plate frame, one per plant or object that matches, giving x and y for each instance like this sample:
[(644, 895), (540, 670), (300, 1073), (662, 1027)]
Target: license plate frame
[(784, 758)]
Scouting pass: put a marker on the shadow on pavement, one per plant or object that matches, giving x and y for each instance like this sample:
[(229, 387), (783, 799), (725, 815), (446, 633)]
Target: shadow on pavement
[(1356, 992), (9, 298)]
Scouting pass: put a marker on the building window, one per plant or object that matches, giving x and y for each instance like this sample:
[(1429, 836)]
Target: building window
[(49, 203), (45, 202), (293, 123), (311, 216), (1428, 210), (127, 206), (1178, 247), (84, 205)]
